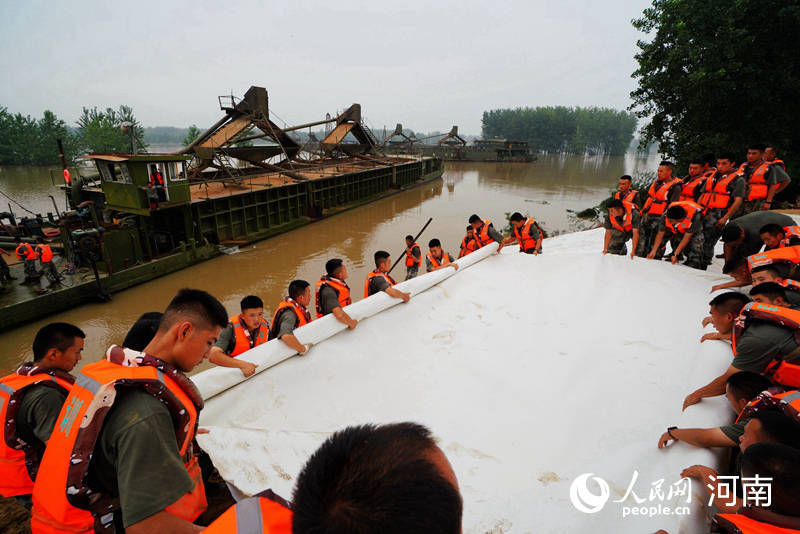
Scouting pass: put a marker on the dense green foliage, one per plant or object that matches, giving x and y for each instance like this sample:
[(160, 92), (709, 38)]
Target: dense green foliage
[(191, 135), (101, 131), (718, 75), (563, 129), (28, 141)]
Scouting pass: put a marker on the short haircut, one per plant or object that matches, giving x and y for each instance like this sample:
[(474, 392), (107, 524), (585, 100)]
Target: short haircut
[(380, 257), (60, 336), (474, 218), (250, 302), (782, 464), (769, 268), (626, 177), (746, 384), (730, 302), (470, 228), (779, 427), (142, 331), (666, 163), (733, 264), (731, 232), (757, 146), (366, 479), (434, 243), (297, 288), (333, 266), (772, 229), (697, 160), (676, 212), (197, 306), (516, 217), (771, 290), (614, 203), (709, 158), (730, 156), (410, 237)]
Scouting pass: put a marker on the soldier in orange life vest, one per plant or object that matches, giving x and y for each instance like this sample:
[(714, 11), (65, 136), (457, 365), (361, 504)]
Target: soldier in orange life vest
[(485, 232), (379, 279), (45, 256), (119, 467), (527, 233), (764, 181), (30, 401), (333, 293), (436, 258), (777, 236), (292, 313), (723, 311), (665, 190), (469, 243), (245, 330), (756, 344), (413, 257), (621, 224), (721, 199), (773, 273), (692, 185), (27, 255), (771, 157), (683, 221), (626, 194)]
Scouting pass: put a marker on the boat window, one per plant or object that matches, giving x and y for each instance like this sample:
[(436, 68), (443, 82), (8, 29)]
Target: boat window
[(112, 172), (176, 171)]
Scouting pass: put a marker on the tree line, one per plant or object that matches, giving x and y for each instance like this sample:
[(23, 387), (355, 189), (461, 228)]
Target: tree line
[(561, 129)]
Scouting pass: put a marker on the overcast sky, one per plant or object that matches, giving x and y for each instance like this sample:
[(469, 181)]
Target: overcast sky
[(428, 64)]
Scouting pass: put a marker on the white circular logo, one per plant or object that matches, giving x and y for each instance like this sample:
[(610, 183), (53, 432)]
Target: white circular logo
[(583, 499)]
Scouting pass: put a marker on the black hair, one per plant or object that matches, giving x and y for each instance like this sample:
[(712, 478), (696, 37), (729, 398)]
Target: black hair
[(250, 302), (772, 229), (731, 232), (626, 177), (297, 288), (469, 227), (779, 427), (732, 264), (666, 163), (380, 256), (709, 158), (434, 243), (676, 212), (697, 160), (746, 384), (757, 146), (367, 479), (771, 290), (612, 203), (730, 302), (516, 217), (410, 237), (333, 266), (59, 336), (781, 463), (142, 331), (474, 218), (730, 156), (194, 305), (770, 267)]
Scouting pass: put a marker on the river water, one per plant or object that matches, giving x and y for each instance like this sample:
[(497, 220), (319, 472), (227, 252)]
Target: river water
[(545, 190)]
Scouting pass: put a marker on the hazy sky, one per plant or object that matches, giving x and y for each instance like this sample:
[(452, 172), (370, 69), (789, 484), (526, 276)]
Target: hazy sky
[(428, 65)]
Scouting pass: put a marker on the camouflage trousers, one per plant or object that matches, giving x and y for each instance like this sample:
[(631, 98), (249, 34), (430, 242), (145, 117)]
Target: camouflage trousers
[(693, 252), (711, 233), (411, 272), (617, 243), (751, 206), (49, 270), (647, 237), (29, 266)]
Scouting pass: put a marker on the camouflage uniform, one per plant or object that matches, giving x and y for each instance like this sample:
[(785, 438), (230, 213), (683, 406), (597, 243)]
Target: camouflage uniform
[(618, 238), (774, 175), (712, 233), (649, 226), (694, 250)]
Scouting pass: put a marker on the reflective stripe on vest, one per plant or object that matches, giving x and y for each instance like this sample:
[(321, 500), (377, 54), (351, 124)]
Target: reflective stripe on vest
[(254, 515), (61, 498), (691, 209), (25, 252), (19, 461), (372, 275), (776, 255), (757, 181), (788, 283), (341, 289), (658, 196), (411, 260), (445, 260), (526, 242), (716, 194), (243, 338), (629, 197), (289, 304), (741, 524)]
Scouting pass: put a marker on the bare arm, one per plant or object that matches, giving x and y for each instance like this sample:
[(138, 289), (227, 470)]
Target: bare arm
[(293, 343), (606, 241), (342, 317), (396, 293), (656, 244), (218, 357), (726, 285), (163, 523), (681, 246), (635, 242), (708, 476), (737, 203), (698, 437), (713, 389)]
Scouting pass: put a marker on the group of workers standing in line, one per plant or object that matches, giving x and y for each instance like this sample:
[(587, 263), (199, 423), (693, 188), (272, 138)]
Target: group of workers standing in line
[(690, 213), (28, 254), (79, 452)]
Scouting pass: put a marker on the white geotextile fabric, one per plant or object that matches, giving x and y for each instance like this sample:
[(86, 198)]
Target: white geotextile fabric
[(530, 370)]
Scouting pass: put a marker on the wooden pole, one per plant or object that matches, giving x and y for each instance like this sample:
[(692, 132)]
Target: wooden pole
[(415, 240)]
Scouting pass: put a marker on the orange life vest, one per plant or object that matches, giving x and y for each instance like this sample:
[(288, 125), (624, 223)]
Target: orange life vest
[(372, 275), (741, 524), (45, 253), (786, 401), (483, 234), (468, 246), (523, 235), (445, 260), (19, 461), (156, 178), (25, 252), (658, 196), (255, 514), (791, 234), (757, 181), (341, 289), (62, 500), (778, 162), (244, 340), (688, 191), (629, 197), (286, 305), (788, 283), (716, 195), (776, 255), (778, 370), (627, 221), (411, 260), (691, 209)]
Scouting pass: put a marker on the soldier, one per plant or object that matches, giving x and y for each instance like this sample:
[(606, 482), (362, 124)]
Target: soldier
[(527, 233), (45, 256), (771, 157), (743, 235), (27, 255), (777, 235), (245, 331), (626, 193), (764, 181), (469, 243), (485, 231), (692, 185), (413, 257), (292, 313), (684, 223), (379, 279), (436, 258), (621, 224), (721, 199), (665, 190), (333, 293)]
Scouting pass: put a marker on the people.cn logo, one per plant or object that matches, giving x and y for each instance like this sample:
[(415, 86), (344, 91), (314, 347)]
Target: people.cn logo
[(583, 499)]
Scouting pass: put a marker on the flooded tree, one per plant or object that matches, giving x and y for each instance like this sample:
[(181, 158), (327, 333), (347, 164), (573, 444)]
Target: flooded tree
[(101, 131)]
